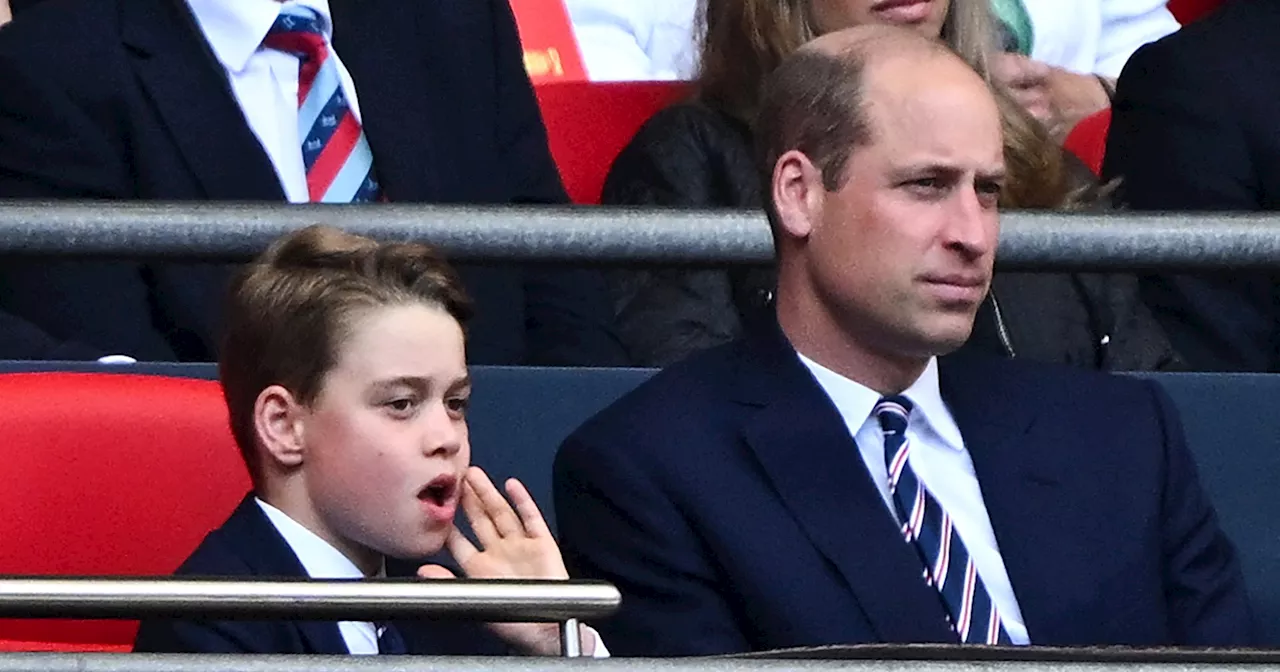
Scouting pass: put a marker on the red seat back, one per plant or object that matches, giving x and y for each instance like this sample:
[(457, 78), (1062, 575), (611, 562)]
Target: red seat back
[(1186, 11), (589, 123), (1088, 140), (108, 474)]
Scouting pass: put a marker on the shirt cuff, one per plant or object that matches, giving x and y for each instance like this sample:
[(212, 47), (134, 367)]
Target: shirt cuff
[(601, 651)]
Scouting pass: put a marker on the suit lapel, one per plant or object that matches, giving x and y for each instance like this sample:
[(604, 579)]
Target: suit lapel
[(1017, 468), (193, 99), (384, 47), (801, 442), (270, 556)]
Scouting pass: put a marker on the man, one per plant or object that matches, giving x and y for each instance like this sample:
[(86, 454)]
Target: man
[(213, 100), (757, 496), (1194, 128)]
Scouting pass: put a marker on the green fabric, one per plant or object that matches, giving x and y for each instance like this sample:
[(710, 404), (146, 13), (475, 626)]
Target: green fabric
[(1017, 33)]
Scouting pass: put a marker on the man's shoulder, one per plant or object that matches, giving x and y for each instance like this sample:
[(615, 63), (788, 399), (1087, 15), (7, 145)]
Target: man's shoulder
[(681, 395), (1053, 386), (77, 24), (1232, 37)]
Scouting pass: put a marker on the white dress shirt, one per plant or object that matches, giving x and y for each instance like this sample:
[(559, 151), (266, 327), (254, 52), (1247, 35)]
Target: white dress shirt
[(635, 40), (939, 459), (265, 81), (323, 561), (1095, 36)]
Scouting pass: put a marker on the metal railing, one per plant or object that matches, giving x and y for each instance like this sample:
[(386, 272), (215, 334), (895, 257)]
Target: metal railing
[(207, 231), (360, 600)]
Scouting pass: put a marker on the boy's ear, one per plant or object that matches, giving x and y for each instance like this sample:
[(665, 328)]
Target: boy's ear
[(277, 422)]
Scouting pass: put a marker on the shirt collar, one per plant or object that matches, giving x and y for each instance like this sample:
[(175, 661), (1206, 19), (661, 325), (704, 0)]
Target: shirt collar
[(235, 28), (318, 557), (855, 400)]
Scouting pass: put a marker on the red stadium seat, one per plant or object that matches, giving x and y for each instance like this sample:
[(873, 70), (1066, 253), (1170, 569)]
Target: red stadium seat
[(1186, 11), (1088, 140), (108, 474), (589, 123)]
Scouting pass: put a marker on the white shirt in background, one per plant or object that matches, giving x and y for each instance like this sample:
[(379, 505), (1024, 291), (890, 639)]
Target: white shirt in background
[(635, 40)]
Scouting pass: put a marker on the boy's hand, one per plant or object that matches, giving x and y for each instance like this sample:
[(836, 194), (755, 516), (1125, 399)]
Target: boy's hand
[(514, 544)]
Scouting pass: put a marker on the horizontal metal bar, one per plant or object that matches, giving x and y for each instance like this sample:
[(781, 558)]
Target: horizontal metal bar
[(369, 599), (208, 231)]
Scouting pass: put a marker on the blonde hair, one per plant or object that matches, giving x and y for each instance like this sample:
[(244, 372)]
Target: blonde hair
[(742, 41)]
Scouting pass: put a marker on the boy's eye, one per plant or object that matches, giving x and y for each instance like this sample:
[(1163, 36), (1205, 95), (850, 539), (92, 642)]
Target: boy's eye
[(458, 404), (400, 405)]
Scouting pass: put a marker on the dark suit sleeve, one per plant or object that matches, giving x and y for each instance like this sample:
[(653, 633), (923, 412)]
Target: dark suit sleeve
[(196, 637), (569, 321), (664, 314), (1178, 142), (54, 147), (1204, 586), (51, 146), (616, 524), (20, 339)]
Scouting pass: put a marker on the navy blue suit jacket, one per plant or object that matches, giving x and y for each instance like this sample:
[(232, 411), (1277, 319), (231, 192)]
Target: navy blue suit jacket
[(727, 501), (1194, 128), (248, 545), (132, 104)]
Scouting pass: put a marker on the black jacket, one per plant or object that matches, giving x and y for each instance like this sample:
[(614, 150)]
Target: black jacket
[(131, 104), (692, 156), (1194, 129)]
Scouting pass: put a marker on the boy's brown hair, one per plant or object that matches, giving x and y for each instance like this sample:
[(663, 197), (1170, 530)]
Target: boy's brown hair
[(290, 310)]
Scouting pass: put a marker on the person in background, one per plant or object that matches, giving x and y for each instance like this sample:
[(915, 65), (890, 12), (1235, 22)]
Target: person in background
[(1194, 129), (1060, 59), (346, 383), (5, 13), (698, 154), (840, 475), (305, 101), (624, 40)]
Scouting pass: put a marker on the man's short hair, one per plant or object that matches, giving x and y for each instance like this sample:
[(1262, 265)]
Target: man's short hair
[(290, 310), (812, 103)]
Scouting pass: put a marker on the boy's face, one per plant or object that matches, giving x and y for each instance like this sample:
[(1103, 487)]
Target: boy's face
[(385, 442)]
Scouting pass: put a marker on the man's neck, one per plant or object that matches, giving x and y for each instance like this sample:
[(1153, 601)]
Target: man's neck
[(813, 333)]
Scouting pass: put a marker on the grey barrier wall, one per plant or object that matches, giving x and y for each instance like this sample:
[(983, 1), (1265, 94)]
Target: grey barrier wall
[(208, 231)]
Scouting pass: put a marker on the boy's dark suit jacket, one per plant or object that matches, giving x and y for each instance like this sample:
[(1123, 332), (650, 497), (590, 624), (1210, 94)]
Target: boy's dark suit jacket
[(1194, 127), (124, 100), (727, 501), (248, 545)]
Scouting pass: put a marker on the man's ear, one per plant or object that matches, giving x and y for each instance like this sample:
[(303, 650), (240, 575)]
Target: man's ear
[(798, 194), (277, 422)]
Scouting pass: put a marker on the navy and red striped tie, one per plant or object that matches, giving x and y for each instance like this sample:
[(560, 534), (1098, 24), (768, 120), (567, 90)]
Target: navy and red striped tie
[(948, 567), (335, 152)]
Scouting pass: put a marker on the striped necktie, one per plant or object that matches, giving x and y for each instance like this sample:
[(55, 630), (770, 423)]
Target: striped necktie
[(334, 150), (947, 564)]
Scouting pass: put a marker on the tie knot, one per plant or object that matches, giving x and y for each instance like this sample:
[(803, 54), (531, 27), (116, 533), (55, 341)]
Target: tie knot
[(892, 412), (298, 31)]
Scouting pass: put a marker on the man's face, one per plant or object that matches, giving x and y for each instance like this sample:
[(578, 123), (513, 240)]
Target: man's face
[(901, 253), (386, 438)]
